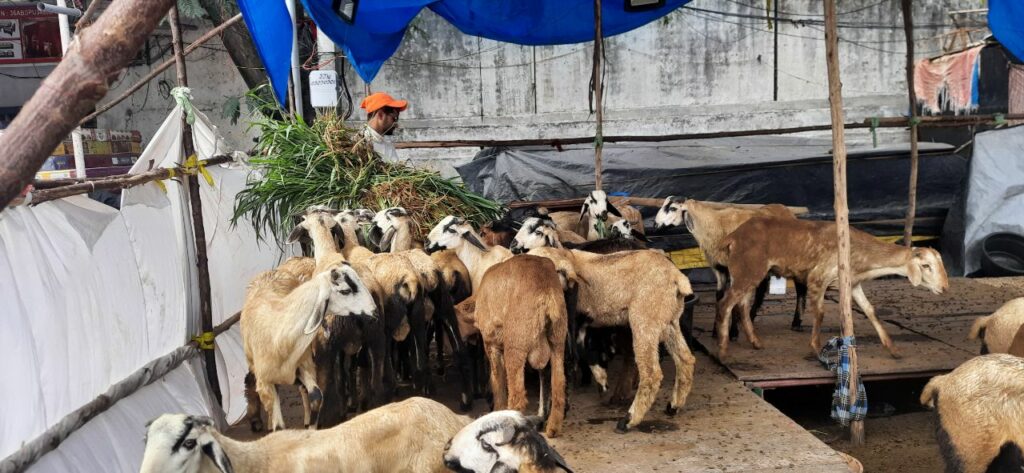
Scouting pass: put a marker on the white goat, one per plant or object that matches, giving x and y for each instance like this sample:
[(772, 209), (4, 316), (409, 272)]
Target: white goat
[(406, 436), (454, 233), (280, 319), (502, 441), (596, 215)]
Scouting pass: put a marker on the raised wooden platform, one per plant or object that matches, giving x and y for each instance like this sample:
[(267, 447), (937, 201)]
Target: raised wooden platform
[(724, 427), (929, 330)]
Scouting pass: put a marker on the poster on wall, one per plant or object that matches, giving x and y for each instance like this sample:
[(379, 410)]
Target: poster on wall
[(28, 35)]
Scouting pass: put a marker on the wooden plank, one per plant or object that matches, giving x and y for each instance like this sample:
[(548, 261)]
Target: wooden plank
[(926, 347), (561, 204)]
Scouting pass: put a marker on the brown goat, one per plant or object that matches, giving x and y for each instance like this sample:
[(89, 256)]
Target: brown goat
[(644, 290), (520, 312), (980, 409), (807, 252)]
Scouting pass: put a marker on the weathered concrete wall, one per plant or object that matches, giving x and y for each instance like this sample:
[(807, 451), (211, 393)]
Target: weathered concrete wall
[(692, 71), (211, 76)]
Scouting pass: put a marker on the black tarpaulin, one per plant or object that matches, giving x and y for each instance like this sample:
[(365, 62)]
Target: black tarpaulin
[(794, 171)]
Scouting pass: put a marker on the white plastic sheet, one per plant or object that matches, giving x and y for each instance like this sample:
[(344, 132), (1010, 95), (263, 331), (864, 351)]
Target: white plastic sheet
[(995, 195), (90, 294)]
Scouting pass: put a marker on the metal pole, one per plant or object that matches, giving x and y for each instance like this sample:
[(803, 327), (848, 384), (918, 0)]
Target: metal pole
[(296, 76), (598, 92), (835, 99), (908, 28), (77, 146), (196, 203)]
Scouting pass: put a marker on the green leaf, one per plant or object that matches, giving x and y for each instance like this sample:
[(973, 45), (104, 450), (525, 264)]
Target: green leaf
[(232, 109)]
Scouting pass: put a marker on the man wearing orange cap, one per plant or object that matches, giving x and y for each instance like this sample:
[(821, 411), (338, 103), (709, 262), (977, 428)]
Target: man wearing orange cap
[(381, 122)]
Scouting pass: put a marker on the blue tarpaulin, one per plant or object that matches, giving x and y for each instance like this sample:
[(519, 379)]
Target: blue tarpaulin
[(1006, 20), (380, 25)]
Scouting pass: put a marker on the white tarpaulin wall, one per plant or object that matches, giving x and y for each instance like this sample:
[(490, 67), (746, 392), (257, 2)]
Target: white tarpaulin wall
[(994, 200), (91, 294)]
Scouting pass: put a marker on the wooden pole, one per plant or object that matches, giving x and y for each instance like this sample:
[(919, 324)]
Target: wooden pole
[(835, 99), (908, 28), (598, 94), (198, 230), (124, 181), (162, 67), (73, 88)]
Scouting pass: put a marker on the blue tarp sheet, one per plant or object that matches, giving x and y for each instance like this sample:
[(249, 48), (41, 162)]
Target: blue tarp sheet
[(1006, 20), (380, 25)]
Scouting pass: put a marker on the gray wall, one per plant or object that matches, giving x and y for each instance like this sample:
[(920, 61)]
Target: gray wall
[(688, 72)]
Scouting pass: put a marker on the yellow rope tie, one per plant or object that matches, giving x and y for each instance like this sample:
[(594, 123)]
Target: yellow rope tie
[(160, 182), (205, 341), (193, 164)]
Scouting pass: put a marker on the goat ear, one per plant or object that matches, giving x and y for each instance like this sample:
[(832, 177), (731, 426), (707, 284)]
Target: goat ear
[(614, 211), (472, 239), (639, 236), (385, 241), (584, 210), (914, 272), (535, 421), (216, 455), (298, 233), (338, 234)]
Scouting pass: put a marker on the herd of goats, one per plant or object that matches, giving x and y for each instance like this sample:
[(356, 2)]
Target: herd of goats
[(560, 292)]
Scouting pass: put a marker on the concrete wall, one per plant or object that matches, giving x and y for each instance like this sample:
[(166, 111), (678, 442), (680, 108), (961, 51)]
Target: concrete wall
[(691, 71)]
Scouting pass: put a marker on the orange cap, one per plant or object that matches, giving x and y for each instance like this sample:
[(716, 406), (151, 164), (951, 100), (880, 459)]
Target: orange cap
[(378, 100)]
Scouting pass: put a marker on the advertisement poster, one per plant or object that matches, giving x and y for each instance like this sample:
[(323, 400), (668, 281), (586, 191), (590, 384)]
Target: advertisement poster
[(28, 35)]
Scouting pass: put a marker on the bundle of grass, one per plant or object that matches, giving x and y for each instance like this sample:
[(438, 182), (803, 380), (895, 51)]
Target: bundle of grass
[(302, 164)]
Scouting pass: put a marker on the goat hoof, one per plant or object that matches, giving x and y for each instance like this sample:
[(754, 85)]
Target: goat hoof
[(256, 425), (797, 327), (316, 395), (671, 411), (623, 425)]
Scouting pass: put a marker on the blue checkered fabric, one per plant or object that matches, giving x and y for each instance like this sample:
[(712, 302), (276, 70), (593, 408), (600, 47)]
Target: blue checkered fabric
[(836, 357)]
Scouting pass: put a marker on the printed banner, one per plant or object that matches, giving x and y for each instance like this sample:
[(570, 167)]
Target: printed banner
[(28, 35)]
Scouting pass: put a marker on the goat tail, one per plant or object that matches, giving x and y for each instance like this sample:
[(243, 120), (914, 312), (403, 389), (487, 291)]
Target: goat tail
[(978, 329), (930, 393)]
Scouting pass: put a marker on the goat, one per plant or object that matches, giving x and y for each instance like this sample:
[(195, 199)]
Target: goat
[(980, 410), (399, 237), (709, 223), (281, 317), (595, 216), (500, 232), (406, 436), (997, 331), (808, 252), (403, 303), (537, 232), (520, 313), (299, 269), (502, 441), (454, 233), (641, 289), (343, 339)]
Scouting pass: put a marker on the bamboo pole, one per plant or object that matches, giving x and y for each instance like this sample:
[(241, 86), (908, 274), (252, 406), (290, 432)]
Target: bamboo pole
[(835, 98), (196, 203), (124, 181), (49, 440), (163, 66), (72, 89), (908, 28), (598, 94)]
